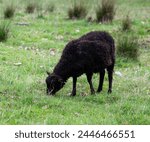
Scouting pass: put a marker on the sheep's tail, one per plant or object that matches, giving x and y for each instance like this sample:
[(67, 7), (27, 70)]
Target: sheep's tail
[(113, 54), (113, 50)]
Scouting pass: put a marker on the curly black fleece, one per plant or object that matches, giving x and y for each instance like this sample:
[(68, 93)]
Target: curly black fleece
[(93, 52)]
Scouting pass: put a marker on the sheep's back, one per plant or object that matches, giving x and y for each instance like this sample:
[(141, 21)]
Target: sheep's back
[(98, 35), (87, 55), (97, 52), (101, 36)]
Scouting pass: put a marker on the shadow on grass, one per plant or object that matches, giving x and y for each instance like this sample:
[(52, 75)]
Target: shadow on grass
[(102, 98)]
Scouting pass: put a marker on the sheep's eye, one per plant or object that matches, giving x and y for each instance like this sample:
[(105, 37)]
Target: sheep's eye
[(52, 87)]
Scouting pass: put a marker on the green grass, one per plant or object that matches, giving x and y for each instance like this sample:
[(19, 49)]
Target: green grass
[(77, 11), (126, 24), (128, 46), (4, 30), (105, 11), (23, 98), (9, 11)]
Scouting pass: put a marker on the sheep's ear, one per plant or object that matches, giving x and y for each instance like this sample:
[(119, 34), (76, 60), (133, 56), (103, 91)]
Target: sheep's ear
[(62, 84), (61, 81), (48, 73)]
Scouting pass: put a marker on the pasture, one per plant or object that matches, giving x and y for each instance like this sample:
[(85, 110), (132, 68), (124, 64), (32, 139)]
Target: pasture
[(34, 46)]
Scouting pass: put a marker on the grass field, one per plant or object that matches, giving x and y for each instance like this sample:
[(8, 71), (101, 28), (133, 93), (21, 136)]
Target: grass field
[(36, 47)]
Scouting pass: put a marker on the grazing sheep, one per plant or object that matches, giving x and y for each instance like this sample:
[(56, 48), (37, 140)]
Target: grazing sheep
[(91, 53)]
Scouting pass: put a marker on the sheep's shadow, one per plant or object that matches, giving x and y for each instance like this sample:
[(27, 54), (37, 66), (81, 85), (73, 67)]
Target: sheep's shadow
[(98, 98)]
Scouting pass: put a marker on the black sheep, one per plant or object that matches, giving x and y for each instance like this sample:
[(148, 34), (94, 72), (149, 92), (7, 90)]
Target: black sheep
[(91, 53)]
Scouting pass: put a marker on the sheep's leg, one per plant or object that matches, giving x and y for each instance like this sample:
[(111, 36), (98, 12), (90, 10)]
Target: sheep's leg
[(74, 86), (110, 77), (101, 80), (89, 79)]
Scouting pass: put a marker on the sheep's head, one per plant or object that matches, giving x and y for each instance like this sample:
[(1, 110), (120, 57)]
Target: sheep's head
[(54, 83)]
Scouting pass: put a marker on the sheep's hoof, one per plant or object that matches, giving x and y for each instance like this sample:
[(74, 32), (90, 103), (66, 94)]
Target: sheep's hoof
[(98, 91), (72, 95), (93, 92), (109, 91)]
